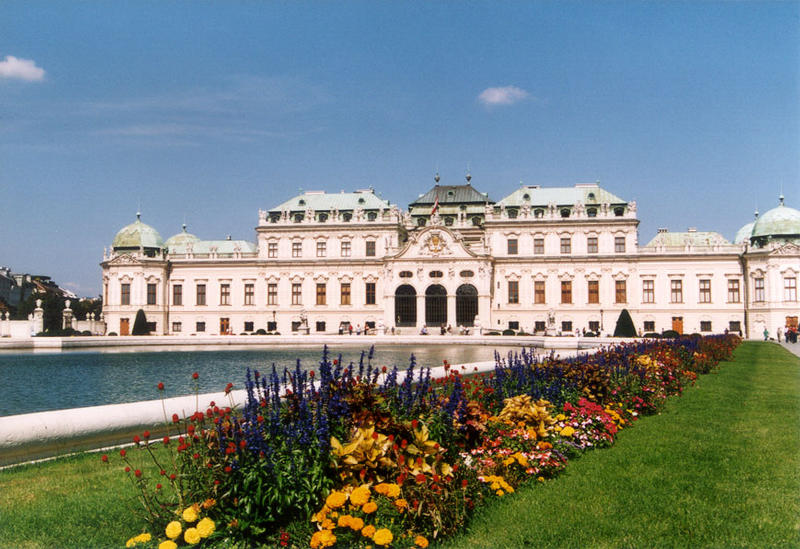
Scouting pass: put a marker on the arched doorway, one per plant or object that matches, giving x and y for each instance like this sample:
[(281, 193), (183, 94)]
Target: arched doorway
[(466, 305), (405, 306), (435, 305)]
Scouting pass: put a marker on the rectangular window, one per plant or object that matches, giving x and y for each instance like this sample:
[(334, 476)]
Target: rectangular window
[(648, 291), (322, 248), (345, 248), (345, 293), (591, 245), (224, 294), (297, 294), (249, 294), (538, 292), (733, 291), (322, 292), (649, 326), (176, 327), (735, 326), (272, 293), (513, 291), (594, 291), (539, 326), (201, 294), (248, 326), (594, 326), (566, 245), (370, 295), (272, 249), (297, 249), (370, 248), (320, 326), (151, 294), (272, 326), (177, 294), (225, 325), (758, 286), (200, 327), (705, 325), (619, 244), (566, 326), (513, 324), (620, 291), (676, 291), (705, 291), (566, 291), (538, 246), (790, 289), (512, 246), (125, 294)]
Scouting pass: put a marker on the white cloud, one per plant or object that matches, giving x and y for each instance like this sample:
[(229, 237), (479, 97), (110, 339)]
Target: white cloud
[(22, 69), (506, 95)]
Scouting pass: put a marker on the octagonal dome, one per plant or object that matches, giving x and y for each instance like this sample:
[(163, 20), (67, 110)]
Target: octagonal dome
[(137, 235), (743, 234), (180, 239), (782, 221)]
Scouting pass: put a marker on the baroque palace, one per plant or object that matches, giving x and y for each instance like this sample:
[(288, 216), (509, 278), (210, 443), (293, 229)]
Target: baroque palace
[(561, 260)]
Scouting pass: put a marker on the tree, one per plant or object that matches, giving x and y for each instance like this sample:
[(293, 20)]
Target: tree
[(625, 327), (140, 324)]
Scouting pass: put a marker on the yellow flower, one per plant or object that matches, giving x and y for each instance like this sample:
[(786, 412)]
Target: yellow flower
[(344, 521), (168, 544), (567, 431), (540, 479), (499, 492), (322, 538), (206, 527), (370, 507), (320, 516), (360, 495), (189, 514), (388, 490), (336, 500), (356, 523), (174, 529), (368, 531), (191, 536), (420, 541), (401, 504), (328, 524), (383, 537)]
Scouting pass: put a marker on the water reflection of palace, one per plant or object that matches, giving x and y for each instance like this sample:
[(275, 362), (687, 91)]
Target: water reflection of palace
[(547, 260)]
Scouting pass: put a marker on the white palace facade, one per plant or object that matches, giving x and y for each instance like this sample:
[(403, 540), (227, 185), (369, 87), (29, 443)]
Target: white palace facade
[(542, 260)]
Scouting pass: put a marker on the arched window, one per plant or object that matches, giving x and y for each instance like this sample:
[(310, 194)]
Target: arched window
[(539, 213), (421, 221), (372, 216), (619, 211), (435, 305), (323, 217), (512, 213), (406, 274), (564, 212), (466, 274), (466, 305), (591, 212), (435, 274), (405, 306)]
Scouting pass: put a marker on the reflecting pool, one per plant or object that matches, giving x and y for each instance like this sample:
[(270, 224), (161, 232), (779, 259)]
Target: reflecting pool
[(35, 382)]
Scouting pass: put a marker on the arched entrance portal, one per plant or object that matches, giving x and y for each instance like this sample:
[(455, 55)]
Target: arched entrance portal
[(405, 306), (435, 305), (466, 305)]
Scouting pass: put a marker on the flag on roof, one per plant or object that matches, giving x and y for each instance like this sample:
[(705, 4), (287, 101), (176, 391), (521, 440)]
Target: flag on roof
[(435, 206)]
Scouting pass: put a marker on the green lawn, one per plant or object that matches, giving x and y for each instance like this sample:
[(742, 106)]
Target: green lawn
[(720, 467)]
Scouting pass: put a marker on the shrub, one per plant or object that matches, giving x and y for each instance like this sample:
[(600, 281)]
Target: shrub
[(670, 334), (625, 327), (112, 333), (509, 332), (652, 335), (261, 332), (140, 324), (86, 333)]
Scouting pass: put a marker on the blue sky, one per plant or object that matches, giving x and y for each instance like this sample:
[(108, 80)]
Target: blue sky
[(206, 112)]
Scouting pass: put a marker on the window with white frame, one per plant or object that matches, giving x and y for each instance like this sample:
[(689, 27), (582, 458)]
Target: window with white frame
[(297, 248), (648, 292), (591, 245), (538, 246), (790, 288), (733, 291), (125, 293), (322, 248), (619, 244), (566, 245), (676, 291), (705, 291), (249, 294), (272, 293), (345, 248), (758, 290), (272, 249), (297, 293)]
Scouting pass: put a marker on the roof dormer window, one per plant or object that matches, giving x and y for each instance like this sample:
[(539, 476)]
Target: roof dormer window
[(564, 212), (301, 202)]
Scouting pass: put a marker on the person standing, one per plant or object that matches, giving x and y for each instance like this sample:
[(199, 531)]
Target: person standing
[(780, 333), (766, 334)]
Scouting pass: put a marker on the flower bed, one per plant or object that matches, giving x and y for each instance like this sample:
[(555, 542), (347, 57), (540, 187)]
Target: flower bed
[(349, 456)]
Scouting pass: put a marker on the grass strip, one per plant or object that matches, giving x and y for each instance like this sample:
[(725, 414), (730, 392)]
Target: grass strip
[(720, 467)]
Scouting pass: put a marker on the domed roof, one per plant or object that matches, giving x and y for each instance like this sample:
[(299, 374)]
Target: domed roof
[(180, 239), (780, 221), (743, 234), (138, 235)]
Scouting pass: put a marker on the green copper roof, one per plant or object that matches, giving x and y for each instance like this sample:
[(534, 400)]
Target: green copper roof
[(138, 235), (561, 196), (321, 201), (780, 221), (695, 238), (451, 194), (743, 234), (180, 239)]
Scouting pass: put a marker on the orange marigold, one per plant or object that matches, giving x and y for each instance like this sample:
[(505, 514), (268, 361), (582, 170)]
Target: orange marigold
[(370, 507)]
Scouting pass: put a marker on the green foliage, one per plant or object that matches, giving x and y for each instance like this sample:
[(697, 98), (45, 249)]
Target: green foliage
[(670, 334), (625, 327), (140, 324), (508, 332)]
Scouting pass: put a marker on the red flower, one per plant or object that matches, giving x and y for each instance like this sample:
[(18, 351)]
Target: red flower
[(362, 473), (122, 452), (375, 436), (160, 386), (127, 469), (414, 423), (196, 456), (383, 369), (138, 473), (464, 483), (311, 374), (175, 418), (195, 375), (229, 386), (166, 440), (172, 476), (335, 362), (146, 434), (136, 439), (228, 469), (158, 486), (391, 438), (420, 478), (104, 458), (216, 482)]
